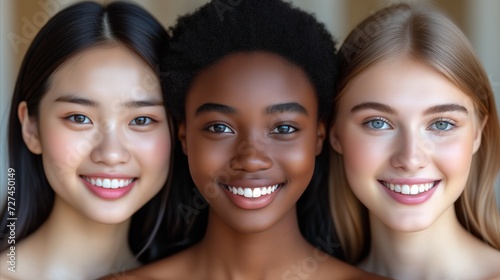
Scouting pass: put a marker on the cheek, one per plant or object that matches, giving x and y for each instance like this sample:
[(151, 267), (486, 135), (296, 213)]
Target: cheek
[(454, 159), (363, 155), (296, 158), (154, 150), (63, 150)]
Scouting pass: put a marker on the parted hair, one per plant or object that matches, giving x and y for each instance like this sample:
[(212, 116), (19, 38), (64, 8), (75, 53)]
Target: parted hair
[(72, 30), (427, 35)]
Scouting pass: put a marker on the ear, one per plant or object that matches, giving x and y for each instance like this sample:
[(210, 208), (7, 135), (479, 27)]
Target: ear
[(320, 137), (182, 136), (477, 137), (29, 129), (334, 140)]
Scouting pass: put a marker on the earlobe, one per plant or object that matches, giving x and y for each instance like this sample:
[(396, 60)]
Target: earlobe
[(477, 137), (29, 129), (182, 136), (321, 135), (334, 141)]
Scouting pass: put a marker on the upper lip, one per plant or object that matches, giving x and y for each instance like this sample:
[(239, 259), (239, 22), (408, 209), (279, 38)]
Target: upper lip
[(409, 181), (108, 175), (252, 183)]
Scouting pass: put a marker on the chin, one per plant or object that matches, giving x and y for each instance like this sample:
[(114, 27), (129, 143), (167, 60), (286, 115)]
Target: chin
[(252, 225)]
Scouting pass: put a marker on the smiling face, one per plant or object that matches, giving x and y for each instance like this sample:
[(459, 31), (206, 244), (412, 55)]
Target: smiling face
[(407, 136), (103, 134), (251, 135)]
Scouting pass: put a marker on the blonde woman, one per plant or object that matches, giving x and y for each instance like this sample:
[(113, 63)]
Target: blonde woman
[(415, 139)]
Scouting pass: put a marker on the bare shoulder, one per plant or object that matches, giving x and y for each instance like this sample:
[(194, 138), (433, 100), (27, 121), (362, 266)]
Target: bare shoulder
[(492, 260), (332, 268), (179, 266)]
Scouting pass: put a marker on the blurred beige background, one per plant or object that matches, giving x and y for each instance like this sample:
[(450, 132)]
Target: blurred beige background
[(21, 20)]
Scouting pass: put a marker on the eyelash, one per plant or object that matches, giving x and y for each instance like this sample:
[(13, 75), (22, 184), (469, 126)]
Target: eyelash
[(380, 119), (211, 128), (450, 126), (294, 129), (148, 121), (72, 119)]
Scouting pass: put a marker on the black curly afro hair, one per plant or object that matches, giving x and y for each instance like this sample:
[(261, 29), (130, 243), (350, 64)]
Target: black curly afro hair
[(220, 28)]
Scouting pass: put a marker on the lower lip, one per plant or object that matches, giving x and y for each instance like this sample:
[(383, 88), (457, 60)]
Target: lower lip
[(411, 199), (250, 203), (110, 194)]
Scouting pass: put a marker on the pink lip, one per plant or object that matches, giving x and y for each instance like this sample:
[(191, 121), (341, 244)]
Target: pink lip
[(411, 199), (250, 203), (108, 193)]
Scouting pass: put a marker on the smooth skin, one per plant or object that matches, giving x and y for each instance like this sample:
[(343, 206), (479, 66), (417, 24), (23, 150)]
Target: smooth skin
[(251, 119), (102, 116), (400, 121)]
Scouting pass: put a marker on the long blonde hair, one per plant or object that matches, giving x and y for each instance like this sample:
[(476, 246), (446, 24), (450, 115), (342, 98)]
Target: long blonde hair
[(430, 37)]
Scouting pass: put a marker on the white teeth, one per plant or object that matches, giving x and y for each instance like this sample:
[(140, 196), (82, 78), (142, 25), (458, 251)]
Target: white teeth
[(108, 183), (409, 189), (405, 189), (252, 192), (256, 192), (248, 192)]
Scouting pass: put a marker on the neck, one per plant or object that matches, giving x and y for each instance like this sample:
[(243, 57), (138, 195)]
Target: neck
[(436, 252), (69, 243), (231, 253)]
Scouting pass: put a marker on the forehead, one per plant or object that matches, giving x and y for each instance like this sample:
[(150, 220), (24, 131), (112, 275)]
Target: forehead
[(251, 78), (103, 71), (404, 83)]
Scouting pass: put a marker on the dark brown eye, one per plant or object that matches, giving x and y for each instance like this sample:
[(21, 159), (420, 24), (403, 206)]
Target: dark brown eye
[(79, 119), (283, 129), (141, 121), (220, 128)]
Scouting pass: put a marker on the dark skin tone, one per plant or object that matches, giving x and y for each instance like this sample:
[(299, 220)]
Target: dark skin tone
[(251, 123)]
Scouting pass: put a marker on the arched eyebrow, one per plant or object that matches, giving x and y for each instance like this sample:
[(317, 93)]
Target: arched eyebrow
[(214, 107), (374, 106), (129, 104), (429, 111), (291, 107), (77, 100), (446, 108)]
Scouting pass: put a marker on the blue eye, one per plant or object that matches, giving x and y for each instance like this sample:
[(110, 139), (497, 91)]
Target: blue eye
[(378, 124), (283, 129), (141, 121), (220, 128), (442, 125), (79, 119)]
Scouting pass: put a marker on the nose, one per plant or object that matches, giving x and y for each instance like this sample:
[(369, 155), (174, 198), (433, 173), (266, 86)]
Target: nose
[(412, 152), (250, 156), (110, 150)]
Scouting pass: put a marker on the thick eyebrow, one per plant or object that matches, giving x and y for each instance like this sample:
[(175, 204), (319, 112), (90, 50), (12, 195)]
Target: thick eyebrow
[(292, 107), (93, 103), (143, 103), (446, 108), (214, 107), (77, 100), (373, 105)]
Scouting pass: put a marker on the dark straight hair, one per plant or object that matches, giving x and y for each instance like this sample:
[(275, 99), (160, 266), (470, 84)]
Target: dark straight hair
[(76, 28)]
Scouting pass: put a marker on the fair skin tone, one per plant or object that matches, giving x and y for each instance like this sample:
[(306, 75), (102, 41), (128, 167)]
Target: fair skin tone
[(253, 118), (407, 136), (103, 134)]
